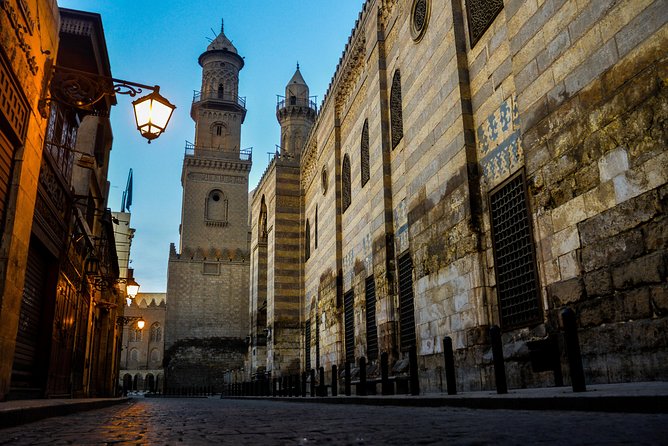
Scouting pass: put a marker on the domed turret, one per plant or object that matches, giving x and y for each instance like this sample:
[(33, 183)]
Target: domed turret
[(296, 113)]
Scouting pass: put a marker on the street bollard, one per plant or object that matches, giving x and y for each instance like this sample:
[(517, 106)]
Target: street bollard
[(346, 378), (312, 382), (335, 381), (274, 384), (361, 387), (413, 364), (386, 385), (499, 365), (573, 350), (449, 357), (304, 378), (289, 393), (322, 388)]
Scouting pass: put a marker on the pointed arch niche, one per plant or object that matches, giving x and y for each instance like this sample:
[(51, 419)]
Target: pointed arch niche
[(215, 212)]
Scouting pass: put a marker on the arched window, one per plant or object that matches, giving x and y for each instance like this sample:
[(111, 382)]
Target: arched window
[(219, 130), (155, 355), (364, 153), (220, 91), (135, 335), (396, 119), (134, 355), (307, 241), (345, 182), (315, 229), (156, 332), (262, 224), (216, 206)]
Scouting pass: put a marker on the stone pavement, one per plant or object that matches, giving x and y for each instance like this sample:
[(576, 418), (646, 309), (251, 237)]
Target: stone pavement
[(198, 421)]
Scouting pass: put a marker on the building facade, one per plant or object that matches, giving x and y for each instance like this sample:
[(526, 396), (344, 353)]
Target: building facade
[(143, 348), (58, 317), (477, 163), (207, 283)]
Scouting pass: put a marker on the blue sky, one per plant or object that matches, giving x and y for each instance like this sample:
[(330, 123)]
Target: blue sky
[(153, 42)]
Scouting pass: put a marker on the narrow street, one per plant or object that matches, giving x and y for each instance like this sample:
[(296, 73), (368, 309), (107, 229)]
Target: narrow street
[(238, 422)]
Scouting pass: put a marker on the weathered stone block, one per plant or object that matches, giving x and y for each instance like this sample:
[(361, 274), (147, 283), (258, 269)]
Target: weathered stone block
[(598, 283), (613, 163), (655, 234), (612, 251), (599, 311), (644, 270), (636, 304), (659, 299), (565, 292), (624, 216)]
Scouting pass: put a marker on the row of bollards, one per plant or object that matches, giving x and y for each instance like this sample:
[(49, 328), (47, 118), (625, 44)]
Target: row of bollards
[(572, 345), (301, 385)]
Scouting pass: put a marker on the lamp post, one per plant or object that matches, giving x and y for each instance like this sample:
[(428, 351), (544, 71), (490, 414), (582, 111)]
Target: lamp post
[(82, 90)]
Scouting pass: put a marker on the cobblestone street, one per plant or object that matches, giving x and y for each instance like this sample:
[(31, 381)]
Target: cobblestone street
[(216, 421)]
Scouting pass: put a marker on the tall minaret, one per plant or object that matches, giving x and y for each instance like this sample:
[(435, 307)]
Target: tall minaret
[(296, 113), (207, 282)]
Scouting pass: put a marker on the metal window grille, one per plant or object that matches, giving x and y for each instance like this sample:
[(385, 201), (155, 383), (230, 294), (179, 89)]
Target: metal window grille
[(364, 154), (307, 345), (371, 328), (349, 310), (307, 241), (481, 14), (396, 118), (515, 265), (345, 182), (406, 306), (317, 342)]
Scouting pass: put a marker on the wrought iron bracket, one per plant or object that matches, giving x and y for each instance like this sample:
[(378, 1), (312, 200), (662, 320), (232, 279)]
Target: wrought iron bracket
[(82, 90)]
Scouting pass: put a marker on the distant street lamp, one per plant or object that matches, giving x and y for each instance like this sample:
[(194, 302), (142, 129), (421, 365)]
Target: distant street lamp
[(126, 320), (82, 90)]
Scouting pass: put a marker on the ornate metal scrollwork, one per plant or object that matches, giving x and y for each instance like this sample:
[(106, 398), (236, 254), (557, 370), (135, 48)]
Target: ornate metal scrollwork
[(82, 90), (419, 18)]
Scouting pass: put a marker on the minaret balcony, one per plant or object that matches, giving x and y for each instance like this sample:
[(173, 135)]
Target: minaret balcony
[(219, 101), (282, 102), (193, 150)]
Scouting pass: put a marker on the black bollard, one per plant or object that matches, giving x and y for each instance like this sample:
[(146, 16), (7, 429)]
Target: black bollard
[(449, 357), (289, 393), (312, 382), (304, 378), (385, 384), (499, 365), (413, 364), (573, 350), (274, 384), (335, 381), (361, 387), (346, 378), (322, 388)]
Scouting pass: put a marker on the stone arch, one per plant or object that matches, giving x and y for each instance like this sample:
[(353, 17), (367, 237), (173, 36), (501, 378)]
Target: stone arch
[(364, 153), (149, 383), (345, 183), (396, 118), (216, 206)]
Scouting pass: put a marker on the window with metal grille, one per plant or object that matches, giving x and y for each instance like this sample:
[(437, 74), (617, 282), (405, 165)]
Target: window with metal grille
[(371, 328), (345, 182), (364, 153), (317, 342), (481, 14), (396, 118), (406, 306), (307, 345), (349, 316), (307, 241), (514, 257), (315, 229)]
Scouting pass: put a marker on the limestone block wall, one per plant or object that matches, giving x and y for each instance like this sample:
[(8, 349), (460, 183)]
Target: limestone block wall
[(572, 95)]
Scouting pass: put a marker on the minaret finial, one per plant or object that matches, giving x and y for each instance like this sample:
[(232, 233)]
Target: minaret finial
[(298, 65), (222, 26)]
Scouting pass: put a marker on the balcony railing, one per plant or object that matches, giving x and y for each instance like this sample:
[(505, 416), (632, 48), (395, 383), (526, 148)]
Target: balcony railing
[(282, 102), (213, 152), (222, 97)]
